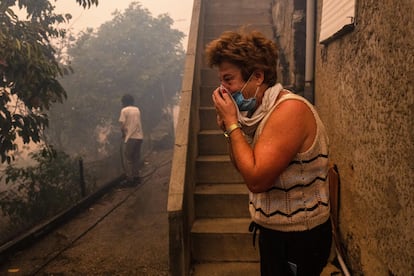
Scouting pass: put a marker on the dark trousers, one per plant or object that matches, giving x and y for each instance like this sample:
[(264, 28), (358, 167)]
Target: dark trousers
[(295, 253), (131, 152)]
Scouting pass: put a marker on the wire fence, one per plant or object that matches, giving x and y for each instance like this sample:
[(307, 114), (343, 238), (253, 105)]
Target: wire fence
[(23, 207)]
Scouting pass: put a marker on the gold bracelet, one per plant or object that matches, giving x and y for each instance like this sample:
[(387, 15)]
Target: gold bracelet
[(231, 128)]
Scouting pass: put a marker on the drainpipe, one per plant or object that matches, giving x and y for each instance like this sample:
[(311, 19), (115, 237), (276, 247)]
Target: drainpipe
[(342, 263), (310, 50)]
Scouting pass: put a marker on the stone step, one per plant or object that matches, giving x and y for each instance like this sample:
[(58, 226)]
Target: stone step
[(208, 118), (223, 240), (227, 269), (221, 201), (206, 93), (237, 6), (216, 169), (212, 142), (213, 31), (238, 17)]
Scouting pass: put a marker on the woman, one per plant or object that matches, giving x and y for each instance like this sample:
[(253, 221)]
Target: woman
[(280, 147)]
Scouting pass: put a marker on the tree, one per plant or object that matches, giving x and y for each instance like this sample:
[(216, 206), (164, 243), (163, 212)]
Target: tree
[(133, 53), (29, 70), (41, 190)]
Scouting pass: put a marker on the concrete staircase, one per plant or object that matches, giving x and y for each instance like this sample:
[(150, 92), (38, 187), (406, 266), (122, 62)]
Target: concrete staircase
[(220, 241)]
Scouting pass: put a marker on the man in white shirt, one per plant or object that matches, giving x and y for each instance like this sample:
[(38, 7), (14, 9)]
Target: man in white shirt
[(132, 134)]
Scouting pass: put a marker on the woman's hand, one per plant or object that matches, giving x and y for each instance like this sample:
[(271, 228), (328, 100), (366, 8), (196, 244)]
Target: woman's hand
[(220, 123), (226, 110)]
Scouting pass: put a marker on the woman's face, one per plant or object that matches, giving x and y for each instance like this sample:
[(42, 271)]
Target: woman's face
[(231, 78)]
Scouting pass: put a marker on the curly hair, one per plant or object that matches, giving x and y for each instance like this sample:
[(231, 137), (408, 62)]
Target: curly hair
[(249, 51)]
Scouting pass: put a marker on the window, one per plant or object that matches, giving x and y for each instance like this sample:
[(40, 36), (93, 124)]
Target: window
[(338, 17)]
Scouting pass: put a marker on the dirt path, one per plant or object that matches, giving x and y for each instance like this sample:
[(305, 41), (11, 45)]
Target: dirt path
[(124, 233)]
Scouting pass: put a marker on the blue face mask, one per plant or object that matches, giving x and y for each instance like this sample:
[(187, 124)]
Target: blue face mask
[(242, 103)]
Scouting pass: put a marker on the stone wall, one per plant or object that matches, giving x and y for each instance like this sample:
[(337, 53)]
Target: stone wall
[(364, 92)]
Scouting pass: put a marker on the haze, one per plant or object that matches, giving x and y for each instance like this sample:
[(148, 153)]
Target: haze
[(179, 10)]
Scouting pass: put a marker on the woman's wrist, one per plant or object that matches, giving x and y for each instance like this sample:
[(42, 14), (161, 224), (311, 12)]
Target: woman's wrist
[(231, 128)]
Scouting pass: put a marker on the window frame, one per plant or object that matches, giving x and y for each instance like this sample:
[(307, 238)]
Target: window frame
[(337, 19)]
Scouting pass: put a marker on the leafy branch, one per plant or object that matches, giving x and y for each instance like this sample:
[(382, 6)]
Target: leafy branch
[(29, 69)]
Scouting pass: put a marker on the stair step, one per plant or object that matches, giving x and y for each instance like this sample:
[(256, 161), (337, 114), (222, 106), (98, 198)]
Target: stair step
[(212, 142), (213, 31), (206, 93), (219, 5), (240, 17), (216, 169), (227, 269), (223, 239), (208, 119), (221, 201)]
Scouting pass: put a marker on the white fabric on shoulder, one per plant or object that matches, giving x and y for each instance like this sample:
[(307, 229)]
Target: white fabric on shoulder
[(249, 124)]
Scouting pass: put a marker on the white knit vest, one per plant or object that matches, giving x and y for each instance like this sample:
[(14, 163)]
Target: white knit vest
[(299, 199)]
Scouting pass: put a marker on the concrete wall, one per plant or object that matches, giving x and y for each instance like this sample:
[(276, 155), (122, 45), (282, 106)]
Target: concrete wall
[(181, 187), (364, 92)]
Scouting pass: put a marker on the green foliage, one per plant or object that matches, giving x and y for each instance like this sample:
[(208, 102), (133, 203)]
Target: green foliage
[(28, 70), (42, 190), (87, 3), (133, 53)]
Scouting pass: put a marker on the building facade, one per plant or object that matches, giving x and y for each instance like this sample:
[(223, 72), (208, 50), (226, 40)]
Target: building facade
[(364, 92)]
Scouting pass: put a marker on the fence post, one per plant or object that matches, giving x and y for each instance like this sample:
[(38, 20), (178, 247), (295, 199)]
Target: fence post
[(82, 179)]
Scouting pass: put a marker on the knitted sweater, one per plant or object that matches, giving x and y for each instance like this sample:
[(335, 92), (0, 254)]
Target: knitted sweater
[(299, 199)]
